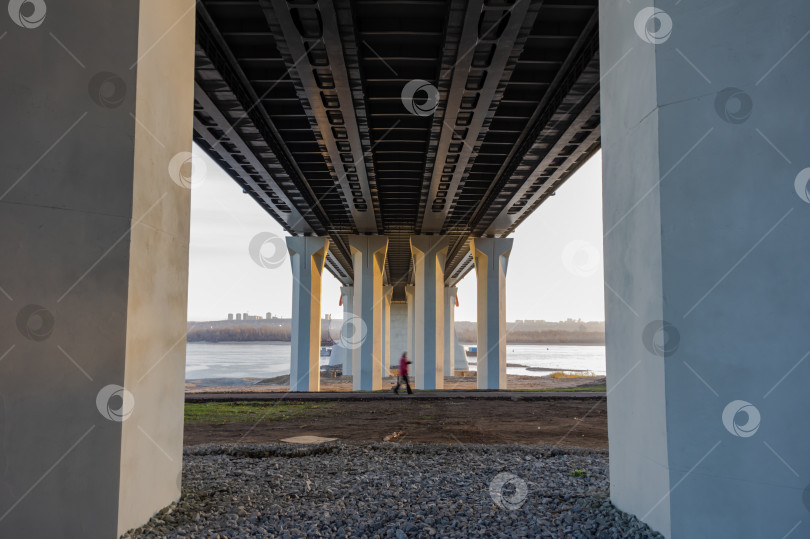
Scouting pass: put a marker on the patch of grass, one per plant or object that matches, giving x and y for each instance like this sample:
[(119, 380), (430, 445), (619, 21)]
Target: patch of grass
[(566, 389), (249, 412), (579, 473), (563, 374)]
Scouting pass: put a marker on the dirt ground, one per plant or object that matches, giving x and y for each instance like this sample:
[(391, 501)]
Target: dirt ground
[(564, 422)]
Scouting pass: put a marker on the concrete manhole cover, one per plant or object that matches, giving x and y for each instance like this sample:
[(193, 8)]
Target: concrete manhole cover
[(308, 440)]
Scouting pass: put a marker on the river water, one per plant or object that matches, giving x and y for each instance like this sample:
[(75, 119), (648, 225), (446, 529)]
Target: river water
[(268, 359)]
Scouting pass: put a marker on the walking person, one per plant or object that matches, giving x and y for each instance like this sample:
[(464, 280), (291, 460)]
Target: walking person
[(403, 373)]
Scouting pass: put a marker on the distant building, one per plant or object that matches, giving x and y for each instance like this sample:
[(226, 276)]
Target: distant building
[(244, 316), (327, 316), (230, 316), (269, 316), (238, 316)]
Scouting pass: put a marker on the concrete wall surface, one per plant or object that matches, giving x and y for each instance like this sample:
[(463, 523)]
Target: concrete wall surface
[(94, 236), (705, 122)]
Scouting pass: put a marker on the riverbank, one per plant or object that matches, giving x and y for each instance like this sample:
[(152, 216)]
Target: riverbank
[(344, 383), (575, 419)]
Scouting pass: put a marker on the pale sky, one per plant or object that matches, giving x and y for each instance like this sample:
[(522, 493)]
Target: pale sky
[(554, 273)]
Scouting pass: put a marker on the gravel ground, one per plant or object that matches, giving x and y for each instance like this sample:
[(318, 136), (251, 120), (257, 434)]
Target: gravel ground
[(392, 490)]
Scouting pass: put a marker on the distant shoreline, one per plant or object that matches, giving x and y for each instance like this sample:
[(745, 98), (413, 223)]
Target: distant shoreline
[(535, 332), (567, 343)]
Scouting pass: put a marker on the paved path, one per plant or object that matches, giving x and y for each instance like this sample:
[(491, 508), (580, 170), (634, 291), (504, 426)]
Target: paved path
[(420, 395)]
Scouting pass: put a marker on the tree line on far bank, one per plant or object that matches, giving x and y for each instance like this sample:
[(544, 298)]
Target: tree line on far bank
[(566, 332)]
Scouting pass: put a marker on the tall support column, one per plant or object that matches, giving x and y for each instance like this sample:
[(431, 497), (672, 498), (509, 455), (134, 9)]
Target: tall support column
[(399, 331), (307, 256), (94, 269), (343, 348), (368, 259), (460, 357), (429, 256), (410, 292), (388, 292), (706, 217), (449, 329), (491, 257)]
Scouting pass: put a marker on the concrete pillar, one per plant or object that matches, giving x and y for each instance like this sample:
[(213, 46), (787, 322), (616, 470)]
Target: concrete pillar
[(429, 255), (491, 256), (399, 331), (388, 292), (94, 267), (706, 215), (449, 329), (307, 257), (409, 296), (460, 356), (368, 259), (342, 351)]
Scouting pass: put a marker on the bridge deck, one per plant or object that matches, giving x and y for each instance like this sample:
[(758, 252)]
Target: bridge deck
[(398, 117)]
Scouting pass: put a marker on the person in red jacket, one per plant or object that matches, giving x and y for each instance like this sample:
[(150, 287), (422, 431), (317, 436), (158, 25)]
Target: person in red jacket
[(403, 373)]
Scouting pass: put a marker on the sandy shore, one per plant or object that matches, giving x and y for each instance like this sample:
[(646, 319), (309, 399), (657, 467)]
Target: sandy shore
[(344, 383)]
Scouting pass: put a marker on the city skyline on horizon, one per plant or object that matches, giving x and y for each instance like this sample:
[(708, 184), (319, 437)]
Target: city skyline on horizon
[(329, 316)]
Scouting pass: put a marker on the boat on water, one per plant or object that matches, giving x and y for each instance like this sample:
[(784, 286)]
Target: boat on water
[(471, 351)]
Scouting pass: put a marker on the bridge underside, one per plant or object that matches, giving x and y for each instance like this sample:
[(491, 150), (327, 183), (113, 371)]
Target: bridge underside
[(705, 201), (396, 117)]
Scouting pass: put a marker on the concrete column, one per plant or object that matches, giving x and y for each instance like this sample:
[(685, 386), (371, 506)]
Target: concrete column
[(388, 292), (409, 295), (449, 329), (307, 256), (399, 331), (342, 351), (460, 356), (429, 255), (491, 256), (368, 259), (706, 216), (94, 214)]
